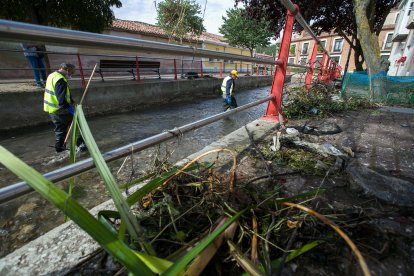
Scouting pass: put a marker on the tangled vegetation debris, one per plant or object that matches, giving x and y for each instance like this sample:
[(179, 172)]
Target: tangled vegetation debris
[(206, 218), (320, 100)]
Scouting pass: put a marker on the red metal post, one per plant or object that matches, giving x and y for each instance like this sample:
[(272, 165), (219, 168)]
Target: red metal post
[(265, 70), (322, 67), (83, 83), (138, 79), (201, 68), (257, 69), (274, 107), (175, 70), (221, 69), (328, 70), (308, 78)]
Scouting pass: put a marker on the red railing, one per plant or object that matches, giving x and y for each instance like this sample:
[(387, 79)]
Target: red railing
[(326, 73)]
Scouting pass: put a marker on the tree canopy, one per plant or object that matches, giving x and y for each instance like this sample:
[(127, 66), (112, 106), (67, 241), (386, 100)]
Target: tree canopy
[(180, 18), (326, 16), (242, 31), (91, 15), (271, 50)]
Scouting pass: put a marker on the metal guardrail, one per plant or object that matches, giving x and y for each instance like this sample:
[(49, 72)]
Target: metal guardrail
[(10, 30), (18, 189), (18, 31), (290, 6)]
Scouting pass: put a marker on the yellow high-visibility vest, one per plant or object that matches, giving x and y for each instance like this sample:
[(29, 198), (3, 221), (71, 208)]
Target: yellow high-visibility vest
[(224, 84), (50, 101)]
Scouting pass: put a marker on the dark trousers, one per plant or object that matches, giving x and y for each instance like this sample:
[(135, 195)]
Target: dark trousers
[(233, 103), (38, 68), (62, 123)]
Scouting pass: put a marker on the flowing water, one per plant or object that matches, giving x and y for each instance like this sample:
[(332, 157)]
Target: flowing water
[(30, 216)]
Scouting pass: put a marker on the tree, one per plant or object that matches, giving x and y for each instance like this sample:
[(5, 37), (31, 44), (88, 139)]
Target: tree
[(242, 31), (180, 18), (92, 15), (331, 15), (271, 50)]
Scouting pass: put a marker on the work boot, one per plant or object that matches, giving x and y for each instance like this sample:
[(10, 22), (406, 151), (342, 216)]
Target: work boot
[(82, 147), (59, 147)]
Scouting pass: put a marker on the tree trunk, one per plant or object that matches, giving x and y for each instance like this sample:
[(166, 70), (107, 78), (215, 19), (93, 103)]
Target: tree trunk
[(370, 47), (368, 39), (358, 56)]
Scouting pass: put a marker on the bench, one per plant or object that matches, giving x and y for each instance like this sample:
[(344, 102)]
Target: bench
[(106, 65)]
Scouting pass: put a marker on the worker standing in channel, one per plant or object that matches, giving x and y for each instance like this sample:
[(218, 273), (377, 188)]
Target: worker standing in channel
[(59, 104), (227, 87)]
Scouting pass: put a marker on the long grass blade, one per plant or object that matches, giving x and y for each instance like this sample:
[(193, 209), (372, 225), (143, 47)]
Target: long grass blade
[(121, 204), (180, 265), (296, 253), (76, 212), (244, 262), (153, 184), (338, 230)]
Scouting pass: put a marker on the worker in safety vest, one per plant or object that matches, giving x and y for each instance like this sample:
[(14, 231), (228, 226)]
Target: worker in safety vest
[(227, 87), (58, 103)]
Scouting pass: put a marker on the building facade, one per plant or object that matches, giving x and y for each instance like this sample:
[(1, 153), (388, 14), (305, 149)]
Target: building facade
[(207, 41), (302, 44), (402, 51)]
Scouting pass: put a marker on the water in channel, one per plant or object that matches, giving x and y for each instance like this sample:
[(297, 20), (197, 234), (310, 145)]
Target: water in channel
[(30, 216)]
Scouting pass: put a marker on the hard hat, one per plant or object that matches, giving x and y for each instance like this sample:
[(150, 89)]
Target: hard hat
[(234, 72)]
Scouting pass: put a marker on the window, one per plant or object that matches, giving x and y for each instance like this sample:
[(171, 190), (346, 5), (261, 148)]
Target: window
[(292, 49), (338, 44), (336, 59), (211, 60), (318, 62), (303, 61), (410, 8), (396, 18), (323, 43), (385, 57), (291, 60), (305, 48), (388, 42)]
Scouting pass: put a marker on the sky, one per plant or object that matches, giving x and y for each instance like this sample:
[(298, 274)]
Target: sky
[(144, 11)]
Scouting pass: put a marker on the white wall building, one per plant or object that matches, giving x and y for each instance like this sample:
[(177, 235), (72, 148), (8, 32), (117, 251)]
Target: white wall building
[(402, 51)]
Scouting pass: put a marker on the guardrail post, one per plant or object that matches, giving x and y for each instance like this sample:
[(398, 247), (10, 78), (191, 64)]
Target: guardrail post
[(328, 70), (221, 69), (247, 69), (175, 70), (138, 79), (274, 110), (201, 68), (322, 67), (257, 70), (265, 70), (83, 83), (311, 67)]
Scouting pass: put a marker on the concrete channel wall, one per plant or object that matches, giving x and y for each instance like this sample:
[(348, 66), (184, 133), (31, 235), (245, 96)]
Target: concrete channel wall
[(25, 109)]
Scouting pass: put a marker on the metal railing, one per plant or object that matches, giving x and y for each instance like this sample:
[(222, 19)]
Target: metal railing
[(21, 31), (18, 31), (13, 191)]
